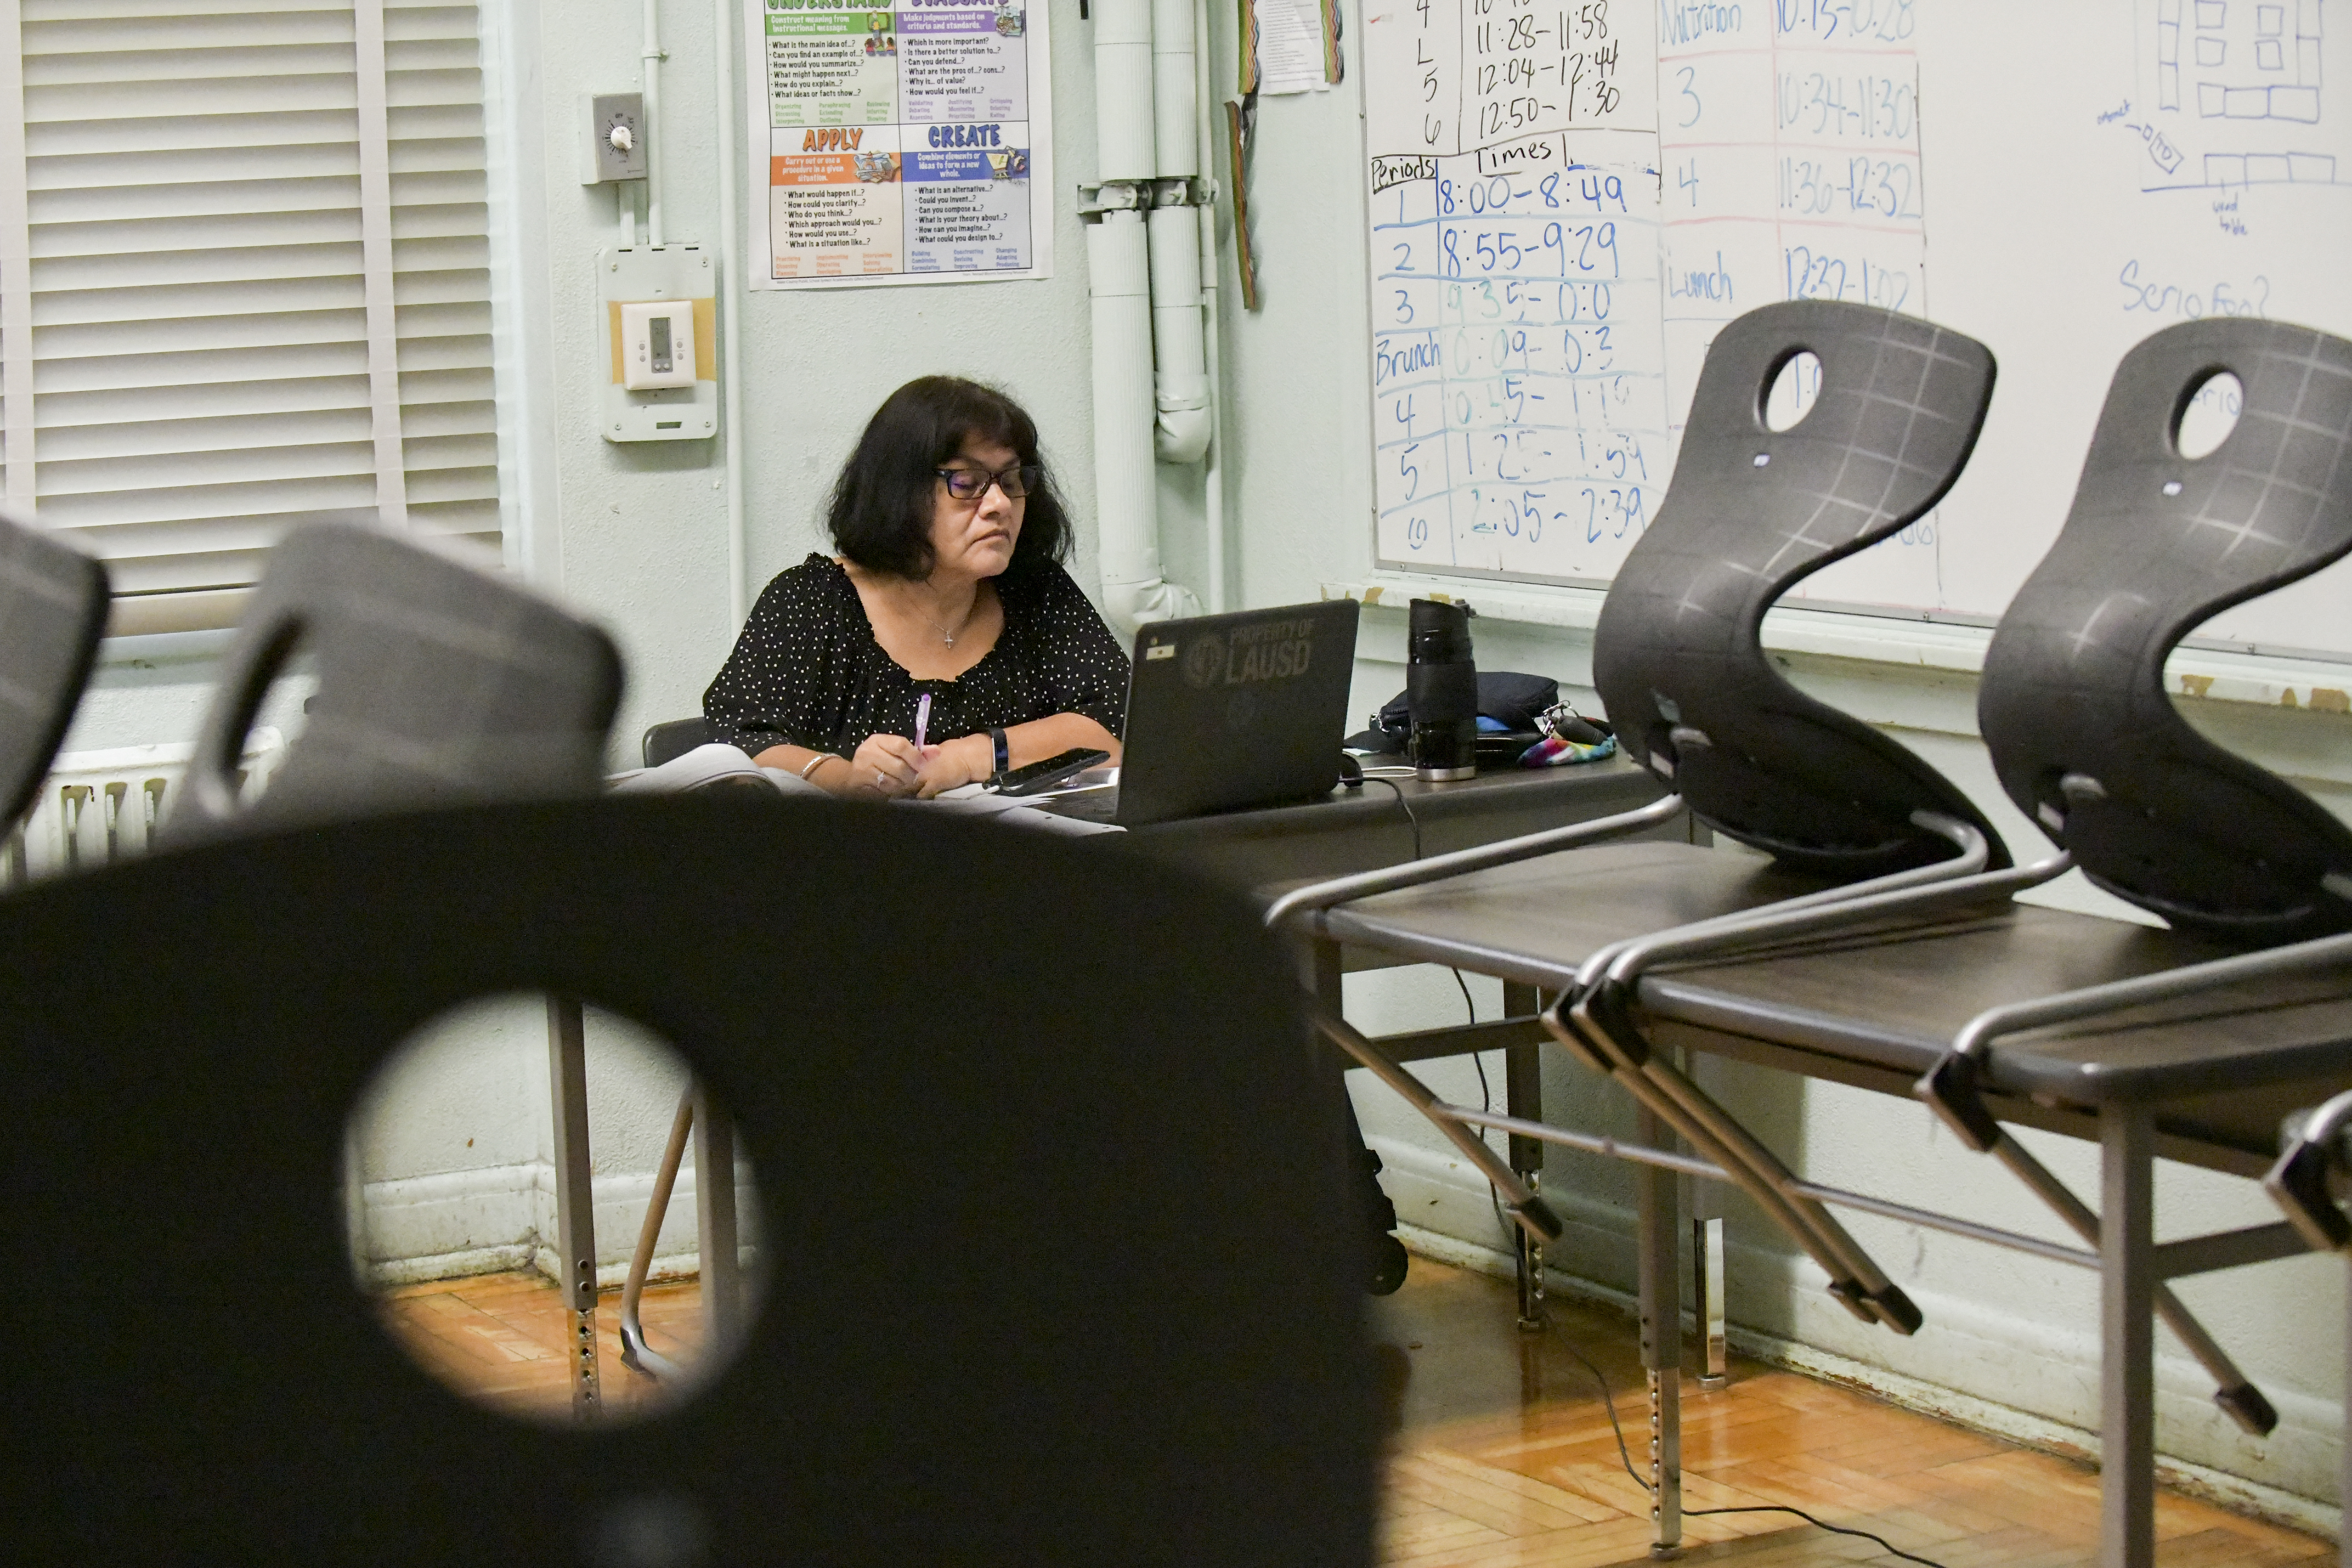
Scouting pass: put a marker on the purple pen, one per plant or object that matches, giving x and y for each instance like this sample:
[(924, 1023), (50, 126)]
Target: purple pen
[(922, 719)]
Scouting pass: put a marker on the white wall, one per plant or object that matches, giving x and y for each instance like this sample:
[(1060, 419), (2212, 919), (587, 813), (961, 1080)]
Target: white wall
[(634, 534)]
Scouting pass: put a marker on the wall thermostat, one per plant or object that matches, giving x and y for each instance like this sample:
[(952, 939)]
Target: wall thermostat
[(657, 345), (660, 329)]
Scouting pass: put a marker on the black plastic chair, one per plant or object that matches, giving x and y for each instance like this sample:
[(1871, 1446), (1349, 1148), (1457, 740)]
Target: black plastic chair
[(436, 683), (1677, 657), (2073, 705), (979, 1355), (53, 601), (672, 738), (1841, 810)]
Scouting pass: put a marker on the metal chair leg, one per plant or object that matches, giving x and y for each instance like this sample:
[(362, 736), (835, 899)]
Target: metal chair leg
[(2234, 1393), (1520, 1200), (635, 1353), (1603, 1047)]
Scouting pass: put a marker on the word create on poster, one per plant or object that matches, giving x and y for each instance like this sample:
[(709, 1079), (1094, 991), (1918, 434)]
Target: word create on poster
[(906, 141)]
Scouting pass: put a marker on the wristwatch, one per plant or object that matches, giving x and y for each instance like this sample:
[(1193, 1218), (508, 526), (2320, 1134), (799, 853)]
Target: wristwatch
[(1004, 754)]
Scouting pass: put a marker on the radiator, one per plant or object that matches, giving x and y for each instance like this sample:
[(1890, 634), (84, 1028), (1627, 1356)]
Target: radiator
[(101, 806)]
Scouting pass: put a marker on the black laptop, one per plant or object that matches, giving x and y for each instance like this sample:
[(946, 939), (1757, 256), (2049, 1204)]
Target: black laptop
[(1225, 712)]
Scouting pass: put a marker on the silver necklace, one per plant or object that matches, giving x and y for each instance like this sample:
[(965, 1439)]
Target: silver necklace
[(946, 636)]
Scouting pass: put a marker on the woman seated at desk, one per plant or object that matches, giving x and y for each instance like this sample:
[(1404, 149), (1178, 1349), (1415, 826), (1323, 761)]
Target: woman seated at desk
[(948, 584)]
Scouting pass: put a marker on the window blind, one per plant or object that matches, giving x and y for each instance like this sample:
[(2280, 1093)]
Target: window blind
[(244, 283)]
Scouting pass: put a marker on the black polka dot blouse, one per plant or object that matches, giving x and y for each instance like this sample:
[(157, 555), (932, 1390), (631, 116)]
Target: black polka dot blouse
[(807, 671)]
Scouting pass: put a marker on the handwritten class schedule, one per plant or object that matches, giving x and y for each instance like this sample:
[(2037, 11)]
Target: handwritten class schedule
[(1518, 389), (906, 141), (1567, 199)]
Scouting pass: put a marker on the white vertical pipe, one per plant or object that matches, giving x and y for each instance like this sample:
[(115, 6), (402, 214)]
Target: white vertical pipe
[(1181, 387), (1124, 148), (1175, 90), (726, 28), (1181, 390), (1204, 100), (1119, 270), (1119, 265), (652, 56)]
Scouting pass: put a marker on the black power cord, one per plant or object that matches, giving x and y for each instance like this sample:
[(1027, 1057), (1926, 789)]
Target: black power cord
[(1610, 1404), (1405, 805)]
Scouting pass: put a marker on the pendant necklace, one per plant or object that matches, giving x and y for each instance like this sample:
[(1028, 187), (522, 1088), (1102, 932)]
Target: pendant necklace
[(946, 636)]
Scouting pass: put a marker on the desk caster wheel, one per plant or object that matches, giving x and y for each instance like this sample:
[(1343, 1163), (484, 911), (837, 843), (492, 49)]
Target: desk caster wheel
[(1390, 1261)]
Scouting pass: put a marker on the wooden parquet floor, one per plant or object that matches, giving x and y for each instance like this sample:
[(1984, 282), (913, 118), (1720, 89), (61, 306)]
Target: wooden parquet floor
[(499, 1337), (1503, 1456)]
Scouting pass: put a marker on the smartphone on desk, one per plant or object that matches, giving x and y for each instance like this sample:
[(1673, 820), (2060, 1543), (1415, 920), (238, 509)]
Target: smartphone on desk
[(1038, 777)]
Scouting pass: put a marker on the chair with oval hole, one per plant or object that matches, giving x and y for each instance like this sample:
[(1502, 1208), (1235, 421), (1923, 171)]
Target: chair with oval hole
[(434, 682), (976, 1351), (53, 600)]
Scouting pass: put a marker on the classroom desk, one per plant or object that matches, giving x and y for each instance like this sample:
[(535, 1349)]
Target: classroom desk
[(2204, 1081), (1261, 851)]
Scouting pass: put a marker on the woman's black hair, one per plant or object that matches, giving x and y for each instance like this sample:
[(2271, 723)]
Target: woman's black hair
[(880, 514)]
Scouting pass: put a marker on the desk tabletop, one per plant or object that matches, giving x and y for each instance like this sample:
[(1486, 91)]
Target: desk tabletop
[(1359, 830), (2224, 1068), (1898, 999)]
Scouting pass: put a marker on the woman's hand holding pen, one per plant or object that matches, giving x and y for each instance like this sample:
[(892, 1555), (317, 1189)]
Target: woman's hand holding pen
[(951, 765), (888, 766)]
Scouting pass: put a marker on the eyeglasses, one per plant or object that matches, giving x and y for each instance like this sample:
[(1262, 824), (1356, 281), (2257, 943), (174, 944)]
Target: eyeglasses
[(971, 484)]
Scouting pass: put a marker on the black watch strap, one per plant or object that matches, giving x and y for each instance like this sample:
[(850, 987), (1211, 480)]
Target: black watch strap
[(1003, 752)]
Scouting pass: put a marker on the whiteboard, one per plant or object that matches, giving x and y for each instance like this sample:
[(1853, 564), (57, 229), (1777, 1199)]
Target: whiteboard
[(1568, 199)]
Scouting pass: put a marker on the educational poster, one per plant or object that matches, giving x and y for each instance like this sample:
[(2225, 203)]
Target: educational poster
[(906, 141)]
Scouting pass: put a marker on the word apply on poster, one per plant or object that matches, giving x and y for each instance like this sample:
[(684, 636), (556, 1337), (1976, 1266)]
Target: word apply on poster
[(1518, 408), (906, 141)]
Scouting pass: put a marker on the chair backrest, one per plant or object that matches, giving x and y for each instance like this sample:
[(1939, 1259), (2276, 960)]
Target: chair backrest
[(52, 612), (435, 682), (672, 738), (1053, 1201), (2073, 705), (1677, 657)]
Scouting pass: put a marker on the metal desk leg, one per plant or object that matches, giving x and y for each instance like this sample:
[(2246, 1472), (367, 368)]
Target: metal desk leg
[(2127, 1337), (1706, 1282), (1523, 1095), (714, 1212), (1662, 1339), (575, 1204)]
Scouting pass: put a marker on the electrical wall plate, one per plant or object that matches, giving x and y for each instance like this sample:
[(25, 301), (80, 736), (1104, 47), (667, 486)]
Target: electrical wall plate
[(668, 275), (606, 157)]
